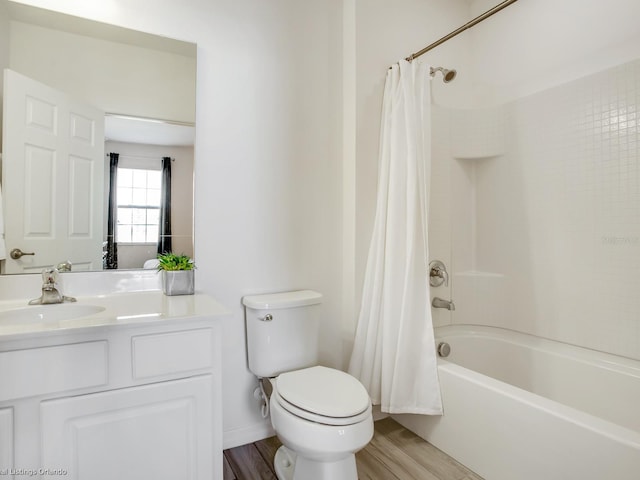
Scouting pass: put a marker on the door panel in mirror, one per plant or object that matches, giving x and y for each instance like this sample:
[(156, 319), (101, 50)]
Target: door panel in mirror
[(52, 173)]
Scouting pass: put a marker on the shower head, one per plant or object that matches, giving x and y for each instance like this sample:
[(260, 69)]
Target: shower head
[(447, 75)]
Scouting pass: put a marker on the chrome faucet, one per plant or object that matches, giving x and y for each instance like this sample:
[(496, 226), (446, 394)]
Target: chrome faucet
[(440, 303), (50, 293)]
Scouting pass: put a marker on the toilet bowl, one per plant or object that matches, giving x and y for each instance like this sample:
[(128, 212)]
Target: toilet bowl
[(321, 415)]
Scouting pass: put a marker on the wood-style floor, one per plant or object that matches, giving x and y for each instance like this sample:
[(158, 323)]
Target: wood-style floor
[(394, 453)]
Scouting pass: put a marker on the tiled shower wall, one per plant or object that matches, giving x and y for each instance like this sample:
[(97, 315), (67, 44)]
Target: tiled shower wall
[(546, 222)]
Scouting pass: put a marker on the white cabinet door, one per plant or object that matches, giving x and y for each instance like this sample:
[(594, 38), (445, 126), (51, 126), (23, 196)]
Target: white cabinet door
[(161, 431), (6, 442), (52, 177)]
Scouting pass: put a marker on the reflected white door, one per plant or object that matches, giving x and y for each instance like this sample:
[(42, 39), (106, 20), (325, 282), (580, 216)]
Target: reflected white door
[(52, 177)]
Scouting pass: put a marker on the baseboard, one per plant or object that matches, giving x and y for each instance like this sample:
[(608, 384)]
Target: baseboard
[(243, 436), (378, 414)]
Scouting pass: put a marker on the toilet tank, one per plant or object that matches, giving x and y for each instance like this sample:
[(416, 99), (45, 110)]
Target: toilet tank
[(282, 331)]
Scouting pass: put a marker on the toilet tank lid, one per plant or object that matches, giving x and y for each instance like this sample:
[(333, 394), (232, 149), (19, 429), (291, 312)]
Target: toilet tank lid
[(299, 298)]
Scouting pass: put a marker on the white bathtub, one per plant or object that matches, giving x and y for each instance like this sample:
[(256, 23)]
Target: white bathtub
[(518, 407)]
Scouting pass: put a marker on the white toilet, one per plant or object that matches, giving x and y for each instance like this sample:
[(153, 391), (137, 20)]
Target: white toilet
[(321, 415)]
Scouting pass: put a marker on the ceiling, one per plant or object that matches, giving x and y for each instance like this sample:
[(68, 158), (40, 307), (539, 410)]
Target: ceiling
[(122, 128)]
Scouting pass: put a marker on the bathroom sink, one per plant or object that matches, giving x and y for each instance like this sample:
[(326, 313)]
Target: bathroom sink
[(48, 313)]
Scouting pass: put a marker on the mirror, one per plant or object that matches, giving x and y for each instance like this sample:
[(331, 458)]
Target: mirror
[(145, 87)]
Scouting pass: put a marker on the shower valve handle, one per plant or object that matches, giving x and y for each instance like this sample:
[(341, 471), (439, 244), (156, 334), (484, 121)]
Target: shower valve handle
[(438, 274), (444, 276)]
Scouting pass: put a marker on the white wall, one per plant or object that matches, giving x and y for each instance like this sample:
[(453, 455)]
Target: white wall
[(271, 169), (546, 233), (267, 186), (115, 77), (531, 46), (4, 52)]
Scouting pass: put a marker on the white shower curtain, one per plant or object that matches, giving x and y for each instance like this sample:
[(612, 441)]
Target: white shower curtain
[(394, 353)]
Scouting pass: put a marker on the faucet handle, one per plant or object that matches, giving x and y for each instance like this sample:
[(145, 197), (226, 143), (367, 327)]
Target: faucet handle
[(49, 276), (438, 274), (445, 276), (64, 266)]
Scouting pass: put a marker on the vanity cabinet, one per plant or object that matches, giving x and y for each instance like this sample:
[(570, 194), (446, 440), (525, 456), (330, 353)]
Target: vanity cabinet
[(134, 402), (6, 439), (158, 431)]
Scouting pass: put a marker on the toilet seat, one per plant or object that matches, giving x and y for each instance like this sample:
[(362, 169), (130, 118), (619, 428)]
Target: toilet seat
[(323, 395), (322, 419)]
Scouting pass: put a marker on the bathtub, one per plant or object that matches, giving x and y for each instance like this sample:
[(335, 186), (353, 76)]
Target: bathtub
[(518, 407)]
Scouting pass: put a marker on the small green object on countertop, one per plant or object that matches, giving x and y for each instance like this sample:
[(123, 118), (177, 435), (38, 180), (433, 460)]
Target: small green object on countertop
[(172, 261)]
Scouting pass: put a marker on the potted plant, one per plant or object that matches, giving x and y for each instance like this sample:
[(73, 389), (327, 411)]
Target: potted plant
[(177, 273)]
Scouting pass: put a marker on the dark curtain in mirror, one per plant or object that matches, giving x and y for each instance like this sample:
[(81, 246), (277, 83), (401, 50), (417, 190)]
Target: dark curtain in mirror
[(110, 254), (164, 240)]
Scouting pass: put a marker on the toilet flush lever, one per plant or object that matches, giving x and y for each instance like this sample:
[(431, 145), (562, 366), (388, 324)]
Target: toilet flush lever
[(267, 318)]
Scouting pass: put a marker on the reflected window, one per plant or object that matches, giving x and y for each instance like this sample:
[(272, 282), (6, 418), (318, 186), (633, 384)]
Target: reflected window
[(138, 215)]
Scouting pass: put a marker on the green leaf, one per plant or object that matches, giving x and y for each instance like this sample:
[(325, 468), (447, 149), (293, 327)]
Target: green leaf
[(171, 261)]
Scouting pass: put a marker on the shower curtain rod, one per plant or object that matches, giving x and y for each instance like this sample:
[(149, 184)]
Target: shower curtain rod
[(461, 29)]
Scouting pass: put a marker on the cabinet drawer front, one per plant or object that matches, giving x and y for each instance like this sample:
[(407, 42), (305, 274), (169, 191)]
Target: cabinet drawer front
[(39, 371), (171, 353)]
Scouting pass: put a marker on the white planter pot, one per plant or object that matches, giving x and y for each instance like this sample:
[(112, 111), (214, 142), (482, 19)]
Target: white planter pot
[(178, 282)]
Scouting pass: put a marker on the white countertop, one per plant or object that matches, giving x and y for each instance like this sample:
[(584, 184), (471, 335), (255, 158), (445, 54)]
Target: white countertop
[(119, 309)]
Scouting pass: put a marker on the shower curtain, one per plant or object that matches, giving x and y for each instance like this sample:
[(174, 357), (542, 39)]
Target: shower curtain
[(394, 352)]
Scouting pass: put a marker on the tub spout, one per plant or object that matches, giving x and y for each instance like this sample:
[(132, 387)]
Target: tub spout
[(440, 303)]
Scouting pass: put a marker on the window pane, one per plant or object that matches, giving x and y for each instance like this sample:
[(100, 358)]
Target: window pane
[(154, 179), (139, 196), (140, 178), (152, 233), (138, 233), (142, 189), (124, 215), (125, 177), (123, 234), (153, 198), (124, 196), (139, 216), (153, 216)]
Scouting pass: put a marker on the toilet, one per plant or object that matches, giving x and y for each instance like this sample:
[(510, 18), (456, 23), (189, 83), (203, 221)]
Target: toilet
[(321, 415)]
